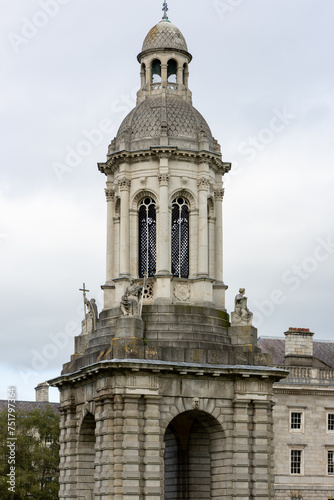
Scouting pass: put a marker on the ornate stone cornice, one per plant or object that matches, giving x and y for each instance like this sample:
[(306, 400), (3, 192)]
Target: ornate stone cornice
[(110, 194), (163, 179), (115, 159), (194, 369), (219, 194)]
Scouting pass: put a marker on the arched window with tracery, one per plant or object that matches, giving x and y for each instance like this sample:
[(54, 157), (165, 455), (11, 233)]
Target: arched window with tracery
[(147, 238), (180, 238)]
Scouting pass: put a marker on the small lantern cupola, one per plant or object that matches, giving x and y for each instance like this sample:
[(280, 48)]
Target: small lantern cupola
[(164, 61)]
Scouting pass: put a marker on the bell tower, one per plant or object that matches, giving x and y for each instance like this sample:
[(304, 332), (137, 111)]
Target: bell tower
[(164, 186), (164, 398)]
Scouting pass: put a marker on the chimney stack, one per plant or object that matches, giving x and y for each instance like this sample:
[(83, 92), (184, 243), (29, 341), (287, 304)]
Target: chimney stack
[(42, 393), (298, 347)]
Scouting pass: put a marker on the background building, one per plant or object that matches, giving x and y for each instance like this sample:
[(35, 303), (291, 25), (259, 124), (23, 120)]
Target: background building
[(303, 416)]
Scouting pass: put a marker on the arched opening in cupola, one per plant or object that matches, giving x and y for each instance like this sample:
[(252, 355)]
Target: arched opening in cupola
[(172, 71), (156, 71)]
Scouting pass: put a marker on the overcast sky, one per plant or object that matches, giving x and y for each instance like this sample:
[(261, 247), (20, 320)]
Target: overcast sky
[(262, 76)]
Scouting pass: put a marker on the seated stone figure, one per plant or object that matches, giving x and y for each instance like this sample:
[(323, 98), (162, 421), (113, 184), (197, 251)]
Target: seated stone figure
[(130, 305), (241, 315)]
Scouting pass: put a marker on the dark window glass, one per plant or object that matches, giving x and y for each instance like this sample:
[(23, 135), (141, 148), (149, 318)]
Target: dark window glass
[(296, 420), (331, 421), (180, 238), (147, 238), (296, 461)]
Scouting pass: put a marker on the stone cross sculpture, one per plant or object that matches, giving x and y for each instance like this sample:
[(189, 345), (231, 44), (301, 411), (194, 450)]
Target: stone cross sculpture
[(241, 315), (130, 305)]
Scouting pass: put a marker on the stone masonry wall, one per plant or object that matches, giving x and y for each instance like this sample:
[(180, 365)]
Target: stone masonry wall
[(229, 419)]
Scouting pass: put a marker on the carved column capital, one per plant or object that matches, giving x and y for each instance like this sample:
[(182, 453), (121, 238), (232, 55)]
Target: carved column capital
[(110, 194), (124, 184), (203, 184), (219, 194), (163, 179)]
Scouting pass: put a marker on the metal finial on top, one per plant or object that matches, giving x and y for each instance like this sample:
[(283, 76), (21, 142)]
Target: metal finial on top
[(165, 9)]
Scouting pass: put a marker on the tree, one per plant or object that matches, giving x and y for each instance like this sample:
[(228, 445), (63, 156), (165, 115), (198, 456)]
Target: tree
[(35, 456)]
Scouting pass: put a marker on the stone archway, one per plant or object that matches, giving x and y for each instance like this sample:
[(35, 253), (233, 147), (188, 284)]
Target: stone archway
[(193, 458), (86, 458)]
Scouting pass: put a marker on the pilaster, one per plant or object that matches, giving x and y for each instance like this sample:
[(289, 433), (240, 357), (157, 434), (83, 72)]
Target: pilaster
[(153, 453), (68, 454), (132, 485), (263, 485), (118, 448), (242, 453), (107, 460), (98, 448)]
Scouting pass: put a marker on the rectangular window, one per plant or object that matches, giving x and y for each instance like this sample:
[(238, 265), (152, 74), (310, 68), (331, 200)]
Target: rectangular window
[(296, 420), (330, 422), (330, 462), (296, 423), (296, 462)]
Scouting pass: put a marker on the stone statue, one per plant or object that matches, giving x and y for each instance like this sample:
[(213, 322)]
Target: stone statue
[(92, 311), (241, 315), (130, 305)]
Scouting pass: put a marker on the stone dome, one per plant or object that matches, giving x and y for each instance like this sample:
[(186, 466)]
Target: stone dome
[(155, 116), (165, 35)]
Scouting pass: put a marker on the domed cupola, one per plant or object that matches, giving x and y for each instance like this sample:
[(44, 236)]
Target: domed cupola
[(164, 35), (164, 115)]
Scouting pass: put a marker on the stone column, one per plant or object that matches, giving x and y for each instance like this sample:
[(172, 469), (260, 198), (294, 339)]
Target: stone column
[(68, 454), (110, 195), (193, 246), (163, 238), (116, 247), (203, 259), (149, 75), (164, 74), (142, 77), (219, 194), (153, 450), (134, 242), (212, 246), (179, 79), (125, 227)]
